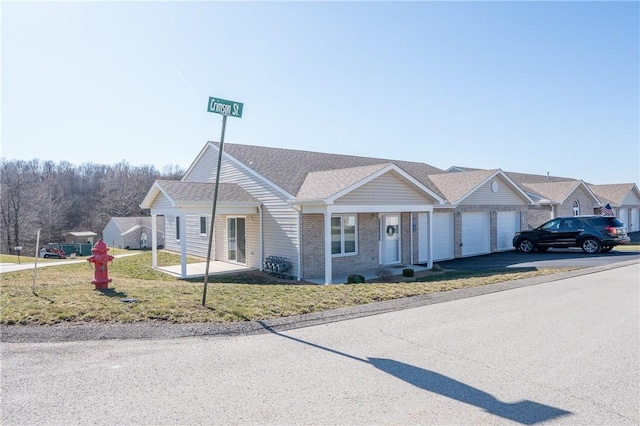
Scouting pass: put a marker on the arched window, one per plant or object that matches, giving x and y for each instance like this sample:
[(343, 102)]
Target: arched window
[(576, 208)]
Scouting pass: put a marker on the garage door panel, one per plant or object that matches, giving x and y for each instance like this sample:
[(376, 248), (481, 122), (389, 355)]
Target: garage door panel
[(476, 233), (508, 223), (635, 220)]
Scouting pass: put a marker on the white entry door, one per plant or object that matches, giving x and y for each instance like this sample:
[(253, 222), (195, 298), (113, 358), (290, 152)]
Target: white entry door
[(390, 239), (443, 236)]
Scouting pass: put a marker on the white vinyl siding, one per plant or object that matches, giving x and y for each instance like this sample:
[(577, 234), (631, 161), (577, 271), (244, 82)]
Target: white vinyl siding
[(507, 226), (476, 233), (386, 189), (443, 236), (280, 220), (485, 196)]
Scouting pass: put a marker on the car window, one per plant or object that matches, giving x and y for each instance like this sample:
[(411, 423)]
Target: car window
[(552, 225), (570, 224)]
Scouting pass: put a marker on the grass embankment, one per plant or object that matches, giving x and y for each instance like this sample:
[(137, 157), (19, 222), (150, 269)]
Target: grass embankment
[(64, 294)]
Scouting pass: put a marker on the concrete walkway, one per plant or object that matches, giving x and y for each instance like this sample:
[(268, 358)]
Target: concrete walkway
[(14, 267)]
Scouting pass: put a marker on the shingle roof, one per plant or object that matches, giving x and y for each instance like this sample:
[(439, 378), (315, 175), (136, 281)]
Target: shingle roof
[(126, 223), (456, 185), (521, 178), (612, 193), (288, 168), (554, 191), (320, 185), (199, 192)]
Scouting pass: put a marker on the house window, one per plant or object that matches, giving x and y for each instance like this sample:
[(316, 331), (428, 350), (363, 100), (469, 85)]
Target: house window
[(576, 208), (343, 235), (203, 225), (178, 228)]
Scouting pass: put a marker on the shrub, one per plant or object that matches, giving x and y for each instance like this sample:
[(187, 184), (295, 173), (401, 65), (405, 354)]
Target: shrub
[(355, 279), (407, 272), (436, 267), (383, 273)]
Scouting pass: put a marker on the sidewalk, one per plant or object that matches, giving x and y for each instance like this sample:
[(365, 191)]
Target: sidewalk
[(14, 267)]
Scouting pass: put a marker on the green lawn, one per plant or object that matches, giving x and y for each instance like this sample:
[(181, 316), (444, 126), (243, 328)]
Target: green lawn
[(65, 294)]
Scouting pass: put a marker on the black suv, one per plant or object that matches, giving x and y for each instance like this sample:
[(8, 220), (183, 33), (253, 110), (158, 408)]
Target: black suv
[(592, 234)]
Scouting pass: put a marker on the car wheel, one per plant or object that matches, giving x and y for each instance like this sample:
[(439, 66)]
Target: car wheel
[(607, 248), (46, 256), (591, 246), (526, 245)]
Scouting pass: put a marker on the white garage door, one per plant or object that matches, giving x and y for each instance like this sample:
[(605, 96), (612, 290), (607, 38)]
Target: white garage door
[(442, 236), (624, 218), (476, 237), (635, 220), (507, 226)]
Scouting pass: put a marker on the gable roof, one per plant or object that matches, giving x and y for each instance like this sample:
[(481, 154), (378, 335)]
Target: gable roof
[(288, 168), (614, 194), (456, 186), (196, 193), (321, 185), (556, 191), (332, 184), (126, 224)]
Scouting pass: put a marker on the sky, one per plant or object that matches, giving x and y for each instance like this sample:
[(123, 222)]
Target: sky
[(530, 87)]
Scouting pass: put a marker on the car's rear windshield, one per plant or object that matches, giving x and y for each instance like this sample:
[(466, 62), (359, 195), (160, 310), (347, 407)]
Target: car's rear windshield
[(604, 221)]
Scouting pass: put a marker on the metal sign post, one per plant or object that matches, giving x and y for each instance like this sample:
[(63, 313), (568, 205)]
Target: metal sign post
[(226, 108)]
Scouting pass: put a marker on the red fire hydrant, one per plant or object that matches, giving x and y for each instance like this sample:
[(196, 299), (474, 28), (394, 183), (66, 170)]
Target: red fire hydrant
[(100, 259)]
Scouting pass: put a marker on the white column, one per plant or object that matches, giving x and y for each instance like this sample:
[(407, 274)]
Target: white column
[(327, 248), (430, 256), (183, 246), (154, 241)]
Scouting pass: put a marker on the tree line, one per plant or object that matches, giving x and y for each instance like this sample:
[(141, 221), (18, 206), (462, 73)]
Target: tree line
[(61, 197)]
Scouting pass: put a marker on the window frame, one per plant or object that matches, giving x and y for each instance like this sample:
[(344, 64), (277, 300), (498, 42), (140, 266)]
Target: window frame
[(576, 208), (205, 226), (343, 241)]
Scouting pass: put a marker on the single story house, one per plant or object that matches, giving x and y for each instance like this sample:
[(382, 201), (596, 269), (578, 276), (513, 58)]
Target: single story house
[(485, 208), (80, 237), (325, 214), (132, 232), (624, 200)]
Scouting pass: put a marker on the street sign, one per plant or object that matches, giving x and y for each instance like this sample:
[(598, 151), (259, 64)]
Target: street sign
[(225, 107)]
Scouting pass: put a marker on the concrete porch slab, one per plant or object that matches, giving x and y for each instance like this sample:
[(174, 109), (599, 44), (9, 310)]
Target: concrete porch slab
[(197, 270)]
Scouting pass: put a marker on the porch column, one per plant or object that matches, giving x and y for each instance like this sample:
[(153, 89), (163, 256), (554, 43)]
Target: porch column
[(327, 248), (183, 246), (154, 241), (430, 254)]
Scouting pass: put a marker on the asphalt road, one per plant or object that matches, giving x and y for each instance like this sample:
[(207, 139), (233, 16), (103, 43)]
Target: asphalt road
[(552, 258), (560, 352)]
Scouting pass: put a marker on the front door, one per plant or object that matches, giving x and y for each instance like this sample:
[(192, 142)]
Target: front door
[(235, 239), (390, 239)]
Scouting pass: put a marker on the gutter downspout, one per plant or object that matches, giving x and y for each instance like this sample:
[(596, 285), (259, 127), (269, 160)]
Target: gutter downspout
[(261, 250), (299, 244)]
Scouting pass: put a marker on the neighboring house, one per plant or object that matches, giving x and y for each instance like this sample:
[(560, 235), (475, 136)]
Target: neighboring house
[(486, 208), (80, 237), (132, 232), (326, 213), (624, 200), (557, 199)]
